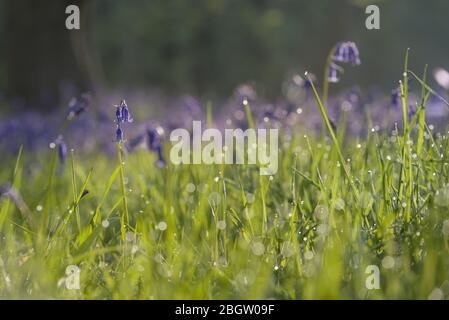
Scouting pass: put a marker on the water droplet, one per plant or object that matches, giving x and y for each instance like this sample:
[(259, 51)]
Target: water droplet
[(162, 225), (221, 225), (258, 248)]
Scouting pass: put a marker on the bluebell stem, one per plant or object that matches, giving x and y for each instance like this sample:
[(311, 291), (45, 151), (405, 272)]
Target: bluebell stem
[(161, 161)]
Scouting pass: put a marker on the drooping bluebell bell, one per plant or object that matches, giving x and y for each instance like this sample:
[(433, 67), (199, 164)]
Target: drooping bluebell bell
[(347, 52)]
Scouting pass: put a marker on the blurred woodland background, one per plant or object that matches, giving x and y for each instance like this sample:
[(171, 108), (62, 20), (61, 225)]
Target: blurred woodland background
[(204, 47)]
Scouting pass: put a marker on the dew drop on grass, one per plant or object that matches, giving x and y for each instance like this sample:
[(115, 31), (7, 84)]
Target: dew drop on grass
[(39, 207), (308, 255), (340, 204), (321, 212), (52, 145), (105, 223), (388, 262), (221, 225), (258, 248), (162, 226)]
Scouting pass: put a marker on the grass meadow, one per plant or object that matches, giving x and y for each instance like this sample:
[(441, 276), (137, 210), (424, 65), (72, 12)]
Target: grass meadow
[(338, 204)]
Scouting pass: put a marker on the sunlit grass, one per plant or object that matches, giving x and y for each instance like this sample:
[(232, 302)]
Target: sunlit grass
[(337, 205)]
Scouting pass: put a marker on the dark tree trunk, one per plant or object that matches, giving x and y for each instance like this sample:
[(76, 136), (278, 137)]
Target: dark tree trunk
[(39, 56)]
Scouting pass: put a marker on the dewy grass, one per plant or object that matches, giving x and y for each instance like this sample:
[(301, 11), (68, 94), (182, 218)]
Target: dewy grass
[(225, 232)]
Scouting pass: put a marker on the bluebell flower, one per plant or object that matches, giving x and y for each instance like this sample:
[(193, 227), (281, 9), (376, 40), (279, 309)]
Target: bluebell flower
[(119, 135), (347, 52), (122, 113), (333, 73), (154, 141)]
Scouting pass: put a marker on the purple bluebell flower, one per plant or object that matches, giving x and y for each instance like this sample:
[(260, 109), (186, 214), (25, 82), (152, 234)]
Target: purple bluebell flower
[(122, 113), (333, 73), (154, 141), (119, 135), (347, 52)]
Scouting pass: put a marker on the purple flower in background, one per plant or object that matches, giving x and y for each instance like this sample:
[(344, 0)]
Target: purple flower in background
[(77, 106), (347, 52), (62, 149), (136, 141), (154, 141), (395, 97), (154, 144)]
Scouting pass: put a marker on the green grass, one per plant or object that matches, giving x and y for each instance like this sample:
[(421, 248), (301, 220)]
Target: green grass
[(336, 206), (315, 240)]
